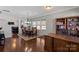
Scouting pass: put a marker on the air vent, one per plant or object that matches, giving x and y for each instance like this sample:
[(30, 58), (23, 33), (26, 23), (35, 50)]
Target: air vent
[(6, 10), (0, 12)]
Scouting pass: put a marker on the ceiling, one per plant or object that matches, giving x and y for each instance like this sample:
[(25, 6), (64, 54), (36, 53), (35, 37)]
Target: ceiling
[(31, 11)]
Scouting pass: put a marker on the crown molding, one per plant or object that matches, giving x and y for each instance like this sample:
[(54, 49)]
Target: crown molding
[(48, 14)]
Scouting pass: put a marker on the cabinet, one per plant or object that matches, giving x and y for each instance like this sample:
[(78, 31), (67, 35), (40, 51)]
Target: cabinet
[(68, 25), (49, 44), (55, 44)]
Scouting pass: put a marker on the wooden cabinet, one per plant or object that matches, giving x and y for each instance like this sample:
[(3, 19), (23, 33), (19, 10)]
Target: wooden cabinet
[(60, 45), (53, 44), (49, 44), (68, 25)]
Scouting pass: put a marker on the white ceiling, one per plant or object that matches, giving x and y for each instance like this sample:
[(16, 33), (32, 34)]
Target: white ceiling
[(32, 11)]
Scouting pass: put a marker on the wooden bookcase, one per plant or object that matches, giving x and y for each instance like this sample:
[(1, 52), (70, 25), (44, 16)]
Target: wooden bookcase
[(67, 24)]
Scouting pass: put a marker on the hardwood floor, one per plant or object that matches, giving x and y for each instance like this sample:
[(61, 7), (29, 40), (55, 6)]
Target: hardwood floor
[(16, 44), (39, 44)]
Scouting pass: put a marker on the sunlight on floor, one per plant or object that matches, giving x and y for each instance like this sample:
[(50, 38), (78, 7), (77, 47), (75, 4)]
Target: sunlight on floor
[(27, 49), (14, 43)]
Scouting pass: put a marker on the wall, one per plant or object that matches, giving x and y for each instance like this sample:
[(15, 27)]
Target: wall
[(4, 19), (50, 24), (68, 13), (71, 12), (51, 19)]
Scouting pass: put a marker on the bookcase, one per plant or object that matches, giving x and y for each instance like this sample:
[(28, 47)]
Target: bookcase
[(68, 25)]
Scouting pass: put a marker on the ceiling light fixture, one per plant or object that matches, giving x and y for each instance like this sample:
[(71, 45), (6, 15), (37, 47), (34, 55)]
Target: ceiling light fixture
[(47, 7)]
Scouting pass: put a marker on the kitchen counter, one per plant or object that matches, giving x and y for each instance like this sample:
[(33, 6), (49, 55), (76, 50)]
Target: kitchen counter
[(59, 42), (64, 37)]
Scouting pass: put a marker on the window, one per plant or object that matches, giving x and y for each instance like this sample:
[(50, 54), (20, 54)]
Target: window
[(38, 25), (34, 23), (41, 25), (38, 28)]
